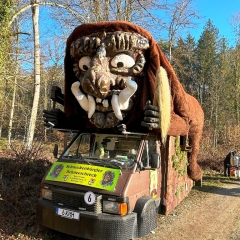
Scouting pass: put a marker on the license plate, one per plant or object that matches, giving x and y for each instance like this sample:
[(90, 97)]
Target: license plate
[(67, 213)]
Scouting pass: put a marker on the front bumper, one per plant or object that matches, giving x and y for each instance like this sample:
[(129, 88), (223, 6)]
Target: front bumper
[(90, 225)]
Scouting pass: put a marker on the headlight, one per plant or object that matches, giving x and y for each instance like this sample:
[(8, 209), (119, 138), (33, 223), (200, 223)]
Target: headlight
[(114, 207), (46, 193)]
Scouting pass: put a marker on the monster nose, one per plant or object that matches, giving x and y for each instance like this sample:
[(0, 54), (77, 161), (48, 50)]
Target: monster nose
[(104, 84)]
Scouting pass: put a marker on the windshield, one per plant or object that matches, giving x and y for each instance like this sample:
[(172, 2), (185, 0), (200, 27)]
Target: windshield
[(104, 149)]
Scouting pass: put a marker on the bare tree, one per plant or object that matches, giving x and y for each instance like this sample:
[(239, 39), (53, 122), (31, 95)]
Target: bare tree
[(37, 4), (34, 5), (181, 15), (136, 11), (37, 80), (16, 73), (235, 23)]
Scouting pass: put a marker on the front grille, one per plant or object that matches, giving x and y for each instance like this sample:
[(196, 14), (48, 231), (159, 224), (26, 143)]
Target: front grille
[(76, 201)]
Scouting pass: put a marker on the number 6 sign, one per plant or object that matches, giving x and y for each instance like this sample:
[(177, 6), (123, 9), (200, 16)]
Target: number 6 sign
[(89, 198)]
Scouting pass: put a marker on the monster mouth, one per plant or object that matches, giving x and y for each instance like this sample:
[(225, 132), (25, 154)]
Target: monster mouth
[(116, 101)]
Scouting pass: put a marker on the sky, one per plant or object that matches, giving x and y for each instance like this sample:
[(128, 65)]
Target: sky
[(220, 13)]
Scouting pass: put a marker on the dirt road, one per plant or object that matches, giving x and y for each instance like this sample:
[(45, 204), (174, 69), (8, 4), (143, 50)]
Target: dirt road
[(202, 216)]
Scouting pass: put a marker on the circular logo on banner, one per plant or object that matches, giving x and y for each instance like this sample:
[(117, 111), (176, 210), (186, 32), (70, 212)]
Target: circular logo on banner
[(89, 198)]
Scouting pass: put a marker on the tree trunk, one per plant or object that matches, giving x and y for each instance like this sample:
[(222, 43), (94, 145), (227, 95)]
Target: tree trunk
[(12, 109), (45, 102), (37, 80), (119, 9), (14, 91), (3, 107)]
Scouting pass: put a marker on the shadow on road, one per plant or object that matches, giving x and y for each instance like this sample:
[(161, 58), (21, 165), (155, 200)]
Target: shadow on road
[(227, 187)]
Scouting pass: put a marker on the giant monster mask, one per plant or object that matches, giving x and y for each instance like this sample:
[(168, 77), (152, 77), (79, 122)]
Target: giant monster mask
[(111, 70), (108, 66)]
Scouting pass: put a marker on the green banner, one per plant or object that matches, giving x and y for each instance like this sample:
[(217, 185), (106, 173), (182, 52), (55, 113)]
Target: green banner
[(84, 174)]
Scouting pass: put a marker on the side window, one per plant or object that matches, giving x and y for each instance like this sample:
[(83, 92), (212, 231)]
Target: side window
[(81, 147), (73, 149), (150, 147), (84, 147)]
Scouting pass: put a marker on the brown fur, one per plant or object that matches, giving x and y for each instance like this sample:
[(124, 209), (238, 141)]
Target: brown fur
[(186, 114), (162, 98)]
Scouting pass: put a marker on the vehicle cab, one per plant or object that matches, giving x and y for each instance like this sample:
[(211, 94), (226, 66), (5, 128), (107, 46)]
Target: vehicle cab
[(103, 186)]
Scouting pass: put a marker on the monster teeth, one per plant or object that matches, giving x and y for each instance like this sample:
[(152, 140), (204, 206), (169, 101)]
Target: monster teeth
[(121, 101), (115, 107), (81, 98), (92, 106), (98, 100), (118, 102), (126, 93), (105, 103)]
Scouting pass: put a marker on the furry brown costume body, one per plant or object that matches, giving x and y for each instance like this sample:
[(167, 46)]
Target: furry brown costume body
[(186, 115)]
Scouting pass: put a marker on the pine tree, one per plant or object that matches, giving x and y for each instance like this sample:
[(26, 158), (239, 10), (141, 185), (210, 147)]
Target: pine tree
[(206, 53), (184, 61)]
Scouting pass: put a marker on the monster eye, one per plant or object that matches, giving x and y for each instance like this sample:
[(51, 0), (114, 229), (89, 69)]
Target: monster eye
[(122, 60), (84, 63)]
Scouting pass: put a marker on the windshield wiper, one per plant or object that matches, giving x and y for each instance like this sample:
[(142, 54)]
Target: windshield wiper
[(113, 164), (78, 159), (94, 161), (105, 163)]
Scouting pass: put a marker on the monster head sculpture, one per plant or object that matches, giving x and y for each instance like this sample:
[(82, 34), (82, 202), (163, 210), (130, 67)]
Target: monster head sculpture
[(108, 66), (110, 73), (112, 69)]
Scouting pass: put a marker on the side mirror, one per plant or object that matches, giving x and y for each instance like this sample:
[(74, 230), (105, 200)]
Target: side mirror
[(155, 160), (55, 151)]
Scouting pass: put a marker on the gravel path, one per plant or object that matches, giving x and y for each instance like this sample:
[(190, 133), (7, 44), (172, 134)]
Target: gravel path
[(202, 216)]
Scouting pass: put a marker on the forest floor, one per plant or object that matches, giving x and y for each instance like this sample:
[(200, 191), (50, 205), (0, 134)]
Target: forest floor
[(208, 212)]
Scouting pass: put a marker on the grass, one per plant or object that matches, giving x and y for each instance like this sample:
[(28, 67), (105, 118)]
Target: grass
[(213, 180), (216, 178), (3, 144)]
